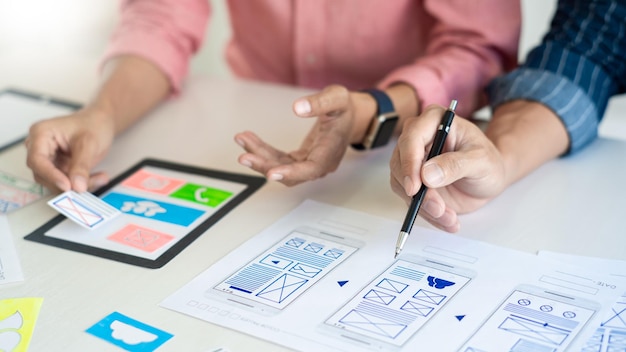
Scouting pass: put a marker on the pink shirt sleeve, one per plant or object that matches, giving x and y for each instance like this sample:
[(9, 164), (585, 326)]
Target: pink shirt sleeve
[(165, 32), (471, 43)]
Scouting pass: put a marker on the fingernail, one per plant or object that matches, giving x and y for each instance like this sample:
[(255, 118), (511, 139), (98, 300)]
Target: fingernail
[(79, 184), (246, 162), (62, 186), (433, 174), (408, 185), (276, 177), (302, 107), (240, 142)]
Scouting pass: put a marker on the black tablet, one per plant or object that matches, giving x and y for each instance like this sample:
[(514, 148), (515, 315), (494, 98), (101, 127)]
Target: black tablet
[(164, 207)]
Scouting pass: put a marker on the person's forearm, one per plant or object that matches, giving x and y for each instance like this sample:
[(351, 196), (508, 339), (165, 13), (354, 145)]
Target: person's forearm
[(527, 134), (132, 86)]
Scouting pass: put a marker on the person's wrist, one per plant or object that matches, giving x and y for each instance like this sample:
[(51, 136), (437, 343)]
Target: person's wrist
[(365, 108), (100, 115), (527, 134)]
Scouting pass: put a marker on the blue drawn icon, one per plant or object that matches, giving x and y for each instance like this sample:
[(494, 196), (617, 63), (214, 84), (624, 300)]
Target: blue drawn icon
[(417, 308), (305, 270), (429, 297), (545, 308), (569, 315), (276, 262), (282, 288), (333, 253), (341, 283), (459, 317), (534, 329), (373, 324), (128, 333), (379, 297), (150, 209), (6, 206), (438, 283), (392, 285), (313, 247), (617, 318), (295, 242), (523, 302)]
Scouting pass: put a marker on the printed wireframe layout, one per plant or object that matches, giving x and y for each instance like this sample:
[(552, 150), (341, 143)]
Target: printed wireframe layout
[(283, 272), (530, 322), (398, 302), (611, 335)]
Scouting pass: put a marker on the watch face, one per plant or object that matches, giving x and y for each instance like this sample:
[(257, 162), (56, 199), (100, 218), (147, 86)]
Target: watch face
[(385, 131)]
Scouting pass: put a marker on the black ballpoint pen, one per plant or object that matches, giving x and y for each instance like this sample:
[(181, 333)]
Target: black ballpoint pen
[(416, 202)]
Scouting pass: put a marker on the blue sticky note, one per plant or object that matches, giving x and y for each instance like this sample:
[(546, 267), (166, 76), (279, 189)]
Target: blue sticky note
[(128, 333), (152, 209)]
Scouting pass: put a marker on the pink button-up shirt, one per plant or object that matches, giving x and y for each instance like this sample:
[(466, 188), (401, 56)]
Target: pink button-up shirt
[(445, 49)]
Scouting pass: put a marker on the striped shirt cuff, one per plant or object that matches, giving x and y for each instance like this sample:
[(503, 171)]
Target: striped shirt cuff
[(566, 99)]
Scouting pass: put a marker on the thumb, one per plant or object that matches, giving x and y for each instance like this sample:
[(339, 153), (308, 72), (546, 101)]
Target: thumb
[(445, 169), (329, 101)]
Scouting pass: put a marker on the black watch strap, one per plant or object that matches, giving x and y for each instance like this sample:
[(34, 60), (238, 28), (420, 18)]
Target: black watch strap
[(382, 99), (381, 128)]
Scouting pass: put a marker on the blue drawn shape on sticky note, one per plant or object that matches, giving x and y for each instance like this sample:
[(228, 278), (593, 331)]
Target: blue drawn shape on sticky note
[(282, 288), (438, 283), (295, 242), (417, 308), (276, 262), (128, 333), (374, 324), (305, 270), (313, 247), (379, 297), (341, 283), (333, 253), (392, 285), (152, 209), (429, 297)]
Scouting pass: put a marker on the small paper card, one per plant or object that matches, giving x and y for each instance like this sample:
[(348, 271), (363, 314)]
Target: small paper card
[(128, 333), (84, 209)]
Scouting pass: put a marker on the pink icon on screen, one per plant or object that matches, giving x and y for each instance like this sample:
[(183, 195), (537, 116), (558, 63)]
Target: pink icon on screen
[(142, 238)]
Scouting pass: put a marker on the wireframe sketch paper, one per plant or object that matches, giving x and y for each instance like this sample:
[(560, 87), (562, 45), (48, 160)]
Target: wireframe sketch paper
[(324, 278), (10, 268), (610, 334)]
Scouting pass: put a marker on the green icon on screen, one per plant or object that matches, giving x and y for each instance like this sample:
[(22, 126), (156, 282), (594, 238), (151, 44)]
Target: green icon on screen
[(201, 194)]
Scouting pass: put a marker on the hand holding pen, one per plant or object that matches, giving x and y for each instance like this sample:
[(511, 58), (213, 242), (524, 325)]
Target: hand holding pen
[(416, 202)]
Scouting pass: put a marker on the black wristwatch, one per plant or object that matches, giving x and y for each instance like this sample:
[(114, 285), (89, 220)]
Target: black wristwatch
[(383, 124)]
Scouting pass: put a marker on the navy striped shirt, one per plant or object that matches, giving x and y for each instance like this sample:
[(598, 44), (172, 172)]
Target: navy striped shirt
[(579, 65)]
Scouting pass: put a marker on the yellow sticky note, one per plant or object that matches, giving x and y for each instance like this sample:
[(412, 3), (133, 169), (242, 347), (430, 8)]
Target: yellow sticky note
[(17, 323)]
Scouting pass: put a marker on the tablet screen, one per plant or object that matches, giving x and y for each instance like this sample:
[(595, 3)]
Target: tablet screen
[(164, 207)]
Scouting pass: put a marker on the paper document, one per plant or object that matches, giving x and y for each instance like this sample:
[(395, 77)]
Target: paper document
[(610, 334), (323, 278), (10, 269)]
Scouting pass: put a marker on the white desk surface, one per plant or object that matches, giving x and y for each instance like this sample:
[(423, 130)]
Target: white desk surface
[(572, 205)]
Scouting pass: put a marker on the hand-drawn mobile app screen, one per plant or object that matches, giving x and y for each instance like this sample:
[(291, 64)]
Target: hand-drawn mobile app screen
[(398, 302), (283, 272), (163, 207), (531, 319)]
